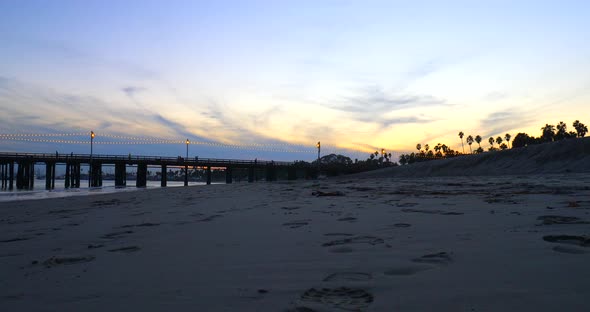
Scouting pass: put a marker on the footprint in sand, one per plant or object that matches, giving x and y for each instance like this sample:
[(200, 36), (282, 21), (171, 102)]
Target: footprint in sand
[(115, 235), (343, 298), (583, 241), (125, 249), (436, 258), (16, 239), (439, 212), (341, 250), (297, 223), (71, 259), (363, 239), (549, 220), (348, 277), (290, 208), (210, 218), (139, 225), (569, 250)]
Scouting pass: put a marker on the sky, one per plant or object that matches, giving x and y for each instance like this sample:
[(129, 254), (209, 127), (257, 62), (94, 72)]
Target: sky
[(268, 79)]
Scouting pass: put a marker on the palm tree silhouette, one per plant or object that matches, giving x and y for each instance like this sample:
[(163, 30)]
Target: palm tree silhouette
[(508, 137), (499, 140), (418, 146), (470, 141), (548, 133), (491, 140), (561, 131), (581, 129), (478, 140), (461, 136)]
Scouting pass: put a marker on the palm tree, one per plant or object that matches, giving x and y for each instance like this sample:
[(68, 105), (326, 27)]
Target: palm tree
[(461, 136), (418, 146), (548, 133), (491, 140), (561, 131), (470, 141), (426, 147), (478, 140), (508, 137), (499, 140), (581, 129)]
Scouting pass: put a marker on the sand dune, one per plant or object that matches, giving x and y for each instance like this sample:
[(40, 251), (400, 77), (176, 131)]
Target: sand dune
[(566, 156)]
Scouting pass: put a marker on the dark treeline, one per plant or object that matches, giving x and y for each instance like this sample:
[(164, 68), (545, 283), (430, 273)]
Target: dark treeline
[(549, 133), (333, 165)]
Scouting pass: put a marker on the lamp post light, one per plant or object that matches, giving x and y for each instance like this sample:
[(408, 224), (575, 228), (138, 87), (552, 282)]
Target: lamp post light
[(90, 162), (319, 146), (187, 143)]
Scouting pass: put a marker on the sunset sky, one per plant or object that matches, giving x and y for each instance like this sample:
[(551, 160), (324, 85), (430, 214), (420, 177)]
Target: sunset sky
[(356, 75)]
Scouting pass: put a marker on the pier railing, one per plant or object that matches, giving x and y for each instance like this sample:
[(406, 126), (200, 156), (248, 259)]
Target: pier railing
[(134, 159)]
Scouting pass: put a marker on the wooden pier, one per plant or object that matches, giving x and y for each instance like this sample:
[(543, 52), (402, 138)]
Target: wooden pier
[(24, 174)]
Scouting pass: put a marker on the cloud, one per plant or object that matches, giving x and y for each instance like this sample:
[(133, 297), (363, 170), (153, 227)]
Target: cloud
[(495, 96), (502, 121), (374, 105), (131, 91)]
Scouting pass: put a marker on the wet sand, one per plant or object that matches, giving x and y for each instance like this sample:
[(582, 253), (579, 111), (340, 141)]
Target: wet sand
[(505, 243)]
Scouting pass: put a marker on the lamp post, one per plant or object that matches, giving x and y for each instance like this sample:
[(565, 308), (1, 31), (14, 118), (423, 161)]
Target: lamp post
[(187, 143), (90, 162), (319, 146), (185, 164)]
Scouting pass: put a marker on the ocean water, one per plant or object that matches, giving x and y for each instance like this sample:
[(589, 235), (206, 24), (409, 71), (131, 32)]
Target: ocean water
[(39, 192)]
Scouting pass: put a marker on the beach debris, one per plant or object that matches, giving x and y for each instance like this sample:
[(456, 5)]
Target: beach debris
[(345, 298), (552, 219), (321, 193), (67, 259)]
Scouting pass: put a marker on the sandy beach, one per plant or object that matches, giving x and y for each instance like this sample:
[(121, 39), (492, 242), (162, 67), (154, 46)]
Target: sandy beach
[(494, 243)]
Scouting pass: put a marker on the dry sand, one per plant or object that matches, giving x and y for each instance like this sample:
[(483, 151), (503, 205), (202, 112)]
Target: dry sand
[(493, 243)]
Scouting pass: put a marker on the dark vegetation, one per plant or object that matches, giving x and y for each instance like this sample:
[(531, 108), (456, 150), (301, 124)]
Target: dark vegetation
[(549, 133), (333, 165)]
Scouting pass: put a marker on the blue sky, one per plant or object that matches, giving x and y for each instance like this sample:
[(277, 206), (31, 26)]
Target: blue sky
[(357, 75)]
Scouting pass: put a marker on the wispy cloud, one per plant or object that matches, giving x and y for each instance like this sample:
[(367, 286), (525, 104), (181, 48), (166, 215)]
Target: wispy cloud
[(499, 122), (374, 105)]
